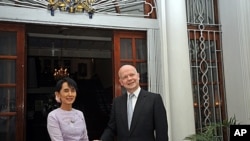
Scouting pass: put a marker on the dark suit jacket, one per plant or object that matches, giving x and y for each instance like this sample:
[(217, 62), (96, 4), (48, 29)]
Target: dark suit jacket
[(149, 122)]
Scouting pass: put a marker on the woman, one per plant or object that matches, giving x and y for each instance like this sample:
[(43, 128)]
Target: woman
[(66, 123)]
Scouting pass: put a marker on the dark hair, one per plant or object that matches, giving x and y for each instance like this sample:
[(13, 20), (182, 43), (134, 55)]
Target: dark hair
[(70, 82)]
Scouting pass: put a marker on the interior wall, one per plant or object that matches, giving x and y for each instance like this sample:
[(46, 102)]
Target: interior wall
[(103, 67), (88, 70), (235, 42)]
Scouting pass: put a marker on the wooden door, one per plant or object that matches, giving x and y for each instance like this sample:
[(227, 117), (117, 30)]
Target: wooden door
[(12, 82), (130, 47)]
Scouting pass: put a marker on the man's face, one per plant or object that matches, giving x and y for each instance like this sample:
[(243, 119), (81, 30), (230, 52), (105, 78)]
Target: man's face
[(129, 78)]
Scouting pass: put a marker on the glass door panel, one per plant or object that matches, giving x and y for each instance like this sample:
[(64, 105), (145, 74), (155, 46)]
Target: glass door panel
[(8, 43), (7, 128), (7, 100), (141, 50), (8, 112), (7, 68), (126, 48), (142, 68)]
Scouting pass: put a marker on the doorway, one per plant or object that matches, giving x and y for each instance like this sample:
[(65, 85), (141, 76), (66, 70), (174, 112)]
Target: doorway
[(87, 54)]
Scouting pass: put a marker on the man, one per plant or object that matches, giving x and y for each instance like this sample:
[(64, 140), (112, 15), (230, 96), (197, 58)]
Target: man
[(149, 119)]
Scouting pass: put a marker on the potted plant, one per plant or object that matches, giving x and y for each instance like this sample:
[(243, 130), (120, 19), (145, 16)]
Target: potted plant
[(208, 132)]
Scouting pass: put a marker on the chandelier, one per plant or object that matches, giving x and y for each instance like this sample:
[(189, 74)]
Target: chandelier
[(60, 72), (72, 6)]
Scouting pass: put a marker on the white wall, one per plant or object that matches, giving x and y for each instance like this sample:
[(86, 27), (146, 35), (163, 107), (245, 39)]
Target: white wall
[(235, 20)]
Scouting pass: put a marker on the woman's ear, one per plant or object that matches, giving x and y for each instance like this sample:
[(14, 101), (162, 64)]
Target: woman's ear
[(57, 97)]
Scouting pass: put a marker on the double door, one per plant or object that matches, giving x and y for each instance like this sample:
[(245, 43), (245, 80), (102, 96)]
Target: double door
[(129, 47)]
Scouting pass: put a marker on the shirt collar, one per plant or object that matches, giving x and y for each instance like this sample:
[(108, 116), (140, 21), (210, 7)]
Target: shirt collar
[(136, 92)]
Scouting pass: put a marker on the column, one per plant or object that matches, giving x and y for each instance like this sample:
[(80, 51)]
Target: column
[(179, 98)]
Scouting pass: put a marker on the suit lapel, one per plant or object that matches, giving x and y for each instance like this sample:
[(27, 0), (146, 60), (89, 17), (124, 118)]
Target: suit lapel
[(139, 105), (124, 108)]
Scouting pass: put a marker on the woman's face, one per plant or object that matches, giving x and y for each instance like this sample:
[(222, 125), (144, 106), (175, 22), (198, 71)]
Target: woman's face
[(67, 94)]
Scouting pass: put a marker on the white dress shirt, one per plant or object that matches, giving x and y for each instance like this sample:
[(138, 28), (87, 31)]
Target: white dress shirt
[(134, 98)]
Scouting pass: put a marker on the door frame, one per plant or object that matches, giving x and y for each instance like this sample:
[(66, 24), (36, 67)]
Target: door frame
[(20, 83)]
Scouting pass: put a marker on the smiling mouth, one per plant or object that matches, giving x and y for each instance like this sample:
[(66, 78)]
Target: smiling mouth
[(70, 99), (130, 83)]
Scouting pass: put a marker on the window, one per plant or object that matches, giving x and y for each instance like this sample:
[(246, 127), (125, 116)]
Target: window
[(205, 51)]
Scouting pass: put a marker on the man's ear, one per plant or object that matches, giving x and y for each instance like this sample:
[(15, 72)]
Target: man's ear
[(121, 82)]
